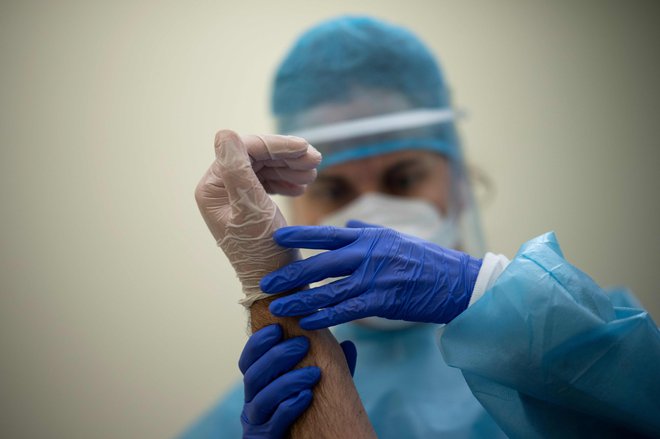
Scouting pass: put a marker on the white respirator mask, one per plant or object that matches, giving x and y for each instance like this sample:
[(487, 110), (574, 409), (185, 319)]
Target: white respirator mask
[(411, 216), (405, 215)]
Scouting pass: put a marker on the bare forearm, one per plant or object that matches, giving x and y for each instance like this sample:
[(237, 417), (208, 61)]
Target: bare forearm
[(336, 409)]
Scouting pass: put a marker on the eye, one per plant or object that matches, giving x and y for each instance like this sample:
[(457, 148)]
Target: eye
[(406, 180), (331, 192)]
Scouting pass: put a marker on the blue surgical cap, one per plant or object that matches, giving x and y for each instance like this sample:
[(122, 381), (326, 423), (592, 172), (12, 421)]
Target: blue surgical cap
[(349, 55)]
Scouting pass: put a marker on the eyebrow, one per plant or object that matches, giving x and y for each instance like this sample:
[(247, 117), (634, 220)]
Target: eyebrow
[(327, 179), (402, 165)]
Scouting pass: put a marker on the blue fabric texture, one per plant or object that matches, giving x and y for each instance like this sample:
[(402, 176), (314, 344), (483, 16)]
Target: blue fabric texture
[(348, 56), (328, 61), (557, 358), (223, 420)]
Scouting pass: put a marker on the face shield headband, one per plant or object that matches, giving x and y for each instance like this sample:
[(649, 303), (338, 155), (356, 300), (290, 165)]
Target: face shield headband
[(340, 142)]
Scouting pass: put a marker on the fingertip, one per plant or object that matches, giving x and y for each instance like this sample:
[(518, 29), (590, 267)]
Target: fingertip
[(315, 154), (323, 319), (296, 348), (357, 224), (273, 330), (302, 401), (348, 347), (290, 410), (223, 135), (298, 404), (307, 376), (306, 148), (350, 352), (314, 237), (275, 308), (264, 284), (285, 307), (258, 344), (353, 224), (281, 234), (312, 323), (315, 373), (275, 282), (233, 164)]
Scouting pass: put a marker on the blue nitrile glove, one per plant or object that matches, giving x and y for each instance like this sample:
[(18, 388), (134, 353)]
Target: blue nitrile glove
[(389, 274), (275, 393)]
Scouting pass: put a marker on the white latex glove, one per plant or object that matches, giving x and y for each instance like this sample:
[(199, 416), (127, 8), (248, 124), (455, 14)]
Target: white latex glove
[(233, 200)]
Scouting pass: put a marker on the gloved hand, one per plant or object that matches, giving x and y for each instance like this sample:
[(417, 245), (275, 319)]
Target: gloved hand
[(389, 275), (275, 393), (233, 201)]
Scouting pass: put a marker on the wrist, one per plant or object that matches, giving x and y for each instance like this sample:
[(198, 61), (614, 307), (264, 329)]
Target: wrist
[(459, 273), (469, 272), (251, 267)]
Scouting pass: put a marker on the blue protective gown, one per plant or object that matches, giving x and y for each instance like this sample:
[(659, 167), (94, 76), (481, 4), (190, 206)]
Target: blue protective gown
[(548, 354), (545, 353)]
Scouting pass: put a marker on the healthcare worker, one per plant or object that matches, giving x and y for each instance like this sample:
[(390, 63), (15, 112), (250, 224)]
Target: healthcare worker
[(450, 342)]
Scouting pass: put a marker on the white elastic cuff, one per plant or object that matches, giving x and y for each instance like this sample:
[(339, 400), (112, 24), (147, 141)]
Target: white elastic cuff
[(492, 266), (249, 299)]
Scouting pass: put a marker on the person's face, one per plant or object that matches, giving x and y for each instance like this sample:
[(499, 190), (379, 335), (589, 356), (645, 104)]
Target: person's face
[(412, 174)]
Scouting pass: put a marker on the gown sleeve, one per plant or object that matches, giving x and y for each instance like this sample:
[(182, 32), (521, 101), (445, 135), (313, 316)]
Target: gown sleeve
[(547, 353)]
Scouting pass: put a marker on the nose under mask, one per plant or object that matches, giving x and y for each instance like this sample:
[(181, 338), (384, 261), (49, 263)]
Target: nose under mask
[(406, 215), (411, 216)]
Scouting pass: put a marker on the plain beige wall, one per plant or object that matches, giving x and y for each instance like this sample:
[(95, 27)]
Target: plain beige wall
[(118, 313)]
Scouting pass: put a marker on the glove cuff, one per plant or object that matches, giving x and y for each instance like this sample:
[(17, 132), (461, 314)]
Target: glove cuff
[(492, 266)]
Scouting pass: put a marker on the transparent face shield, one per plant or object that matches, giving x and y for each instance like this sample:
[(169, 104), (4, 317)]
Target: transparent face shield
[(418, 129)]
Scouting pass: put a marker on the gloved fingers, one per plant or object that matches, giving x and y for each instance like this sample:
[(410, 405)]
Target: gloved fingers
[(316, 237), (274, 146), (350, 352), (246, 193), (302, 177), (213, 201), (280, 359), (288, 412), (349, 310), (313, 269), (264, 404), (283, 164), (308, 301), (357, 224), (258, 344), (274, 150), (283, 188), (210, 187)]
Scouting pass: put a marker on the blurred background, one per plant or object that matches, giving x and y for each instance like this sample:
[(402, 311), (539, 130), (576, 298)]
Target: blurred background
[(119, 315)]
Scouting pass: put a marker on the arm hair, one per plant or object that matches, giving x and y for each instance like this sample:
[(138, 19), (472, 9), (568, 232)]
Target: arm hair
[(336, 410)]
